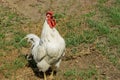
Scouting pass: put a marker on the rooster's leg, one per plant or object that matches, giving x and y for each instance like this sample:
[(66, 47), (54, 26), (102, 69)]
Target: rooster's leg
[(45, 76), (51, 75)]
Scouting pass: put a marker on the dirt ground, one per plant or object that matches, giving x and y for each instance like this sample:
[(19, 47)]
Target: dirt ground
[(30, 9)]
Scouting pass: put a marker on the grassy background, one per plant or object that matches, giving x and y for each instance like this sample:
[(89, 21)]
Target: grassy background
[(97, 28)]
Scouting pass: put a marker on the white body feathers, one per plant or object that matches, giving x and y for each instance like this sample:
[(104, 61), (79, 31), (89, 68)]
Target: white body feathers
[(48, 50)]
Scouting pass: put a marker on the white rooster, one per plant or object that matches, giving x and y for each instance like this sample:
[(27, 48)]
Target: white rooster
[(48, 50)]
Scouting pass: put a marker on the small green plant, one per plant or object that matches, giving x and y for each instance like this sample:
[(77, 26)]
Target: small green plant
[(90, 14), (114, 37), (71, 72), (102, 1), (59, 15), (73, 24), (7, 74), (8, 68), (114, 59), (74, 50), (89, 36), (17, 40), (2, 35), (102, 48), (87, 74), (9, 18), (73, 39), (112, 14), (18, 63), (117, 2), (2, 54), (2, 42), (113, 40), (98, 26)]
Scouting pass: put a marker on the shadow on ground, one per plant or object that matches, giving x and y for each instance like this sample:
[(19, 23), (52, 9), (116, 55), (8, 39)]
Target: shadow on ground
[(33, 66)]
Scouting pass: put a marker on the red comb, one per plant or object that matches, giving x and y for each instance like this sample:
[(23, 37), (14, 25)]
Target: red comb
[(49, 12)]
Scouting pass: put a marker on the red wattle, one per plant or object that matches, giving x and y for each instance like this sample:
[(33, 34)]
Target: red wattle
[(51, 23)]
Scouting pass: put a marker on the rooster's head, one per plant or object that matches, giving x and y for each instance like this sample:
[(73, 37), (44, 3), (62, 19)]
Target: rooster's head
[(50, 19)]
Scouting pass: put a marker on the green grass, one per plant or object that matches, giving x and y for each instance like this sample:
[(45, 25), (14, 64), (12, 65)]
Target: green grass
[(98, 26), (14, 40), (102, 48), (2, 54), (19, 62), (58, 16), (2, 35), (110, 18), (17, 39), (71, 72), (117, 2), (114, 37), (9, 18), (8, 68), (105, 26), (113, 58), (84, 74), (87, 74), (73, 24), (90, 14), (10, 37), (111, 13), (73, 39), (102, 1)]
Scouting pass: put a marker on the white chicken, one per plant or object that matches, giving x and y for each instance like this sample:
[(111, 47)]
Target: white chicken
[(48, 50)]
